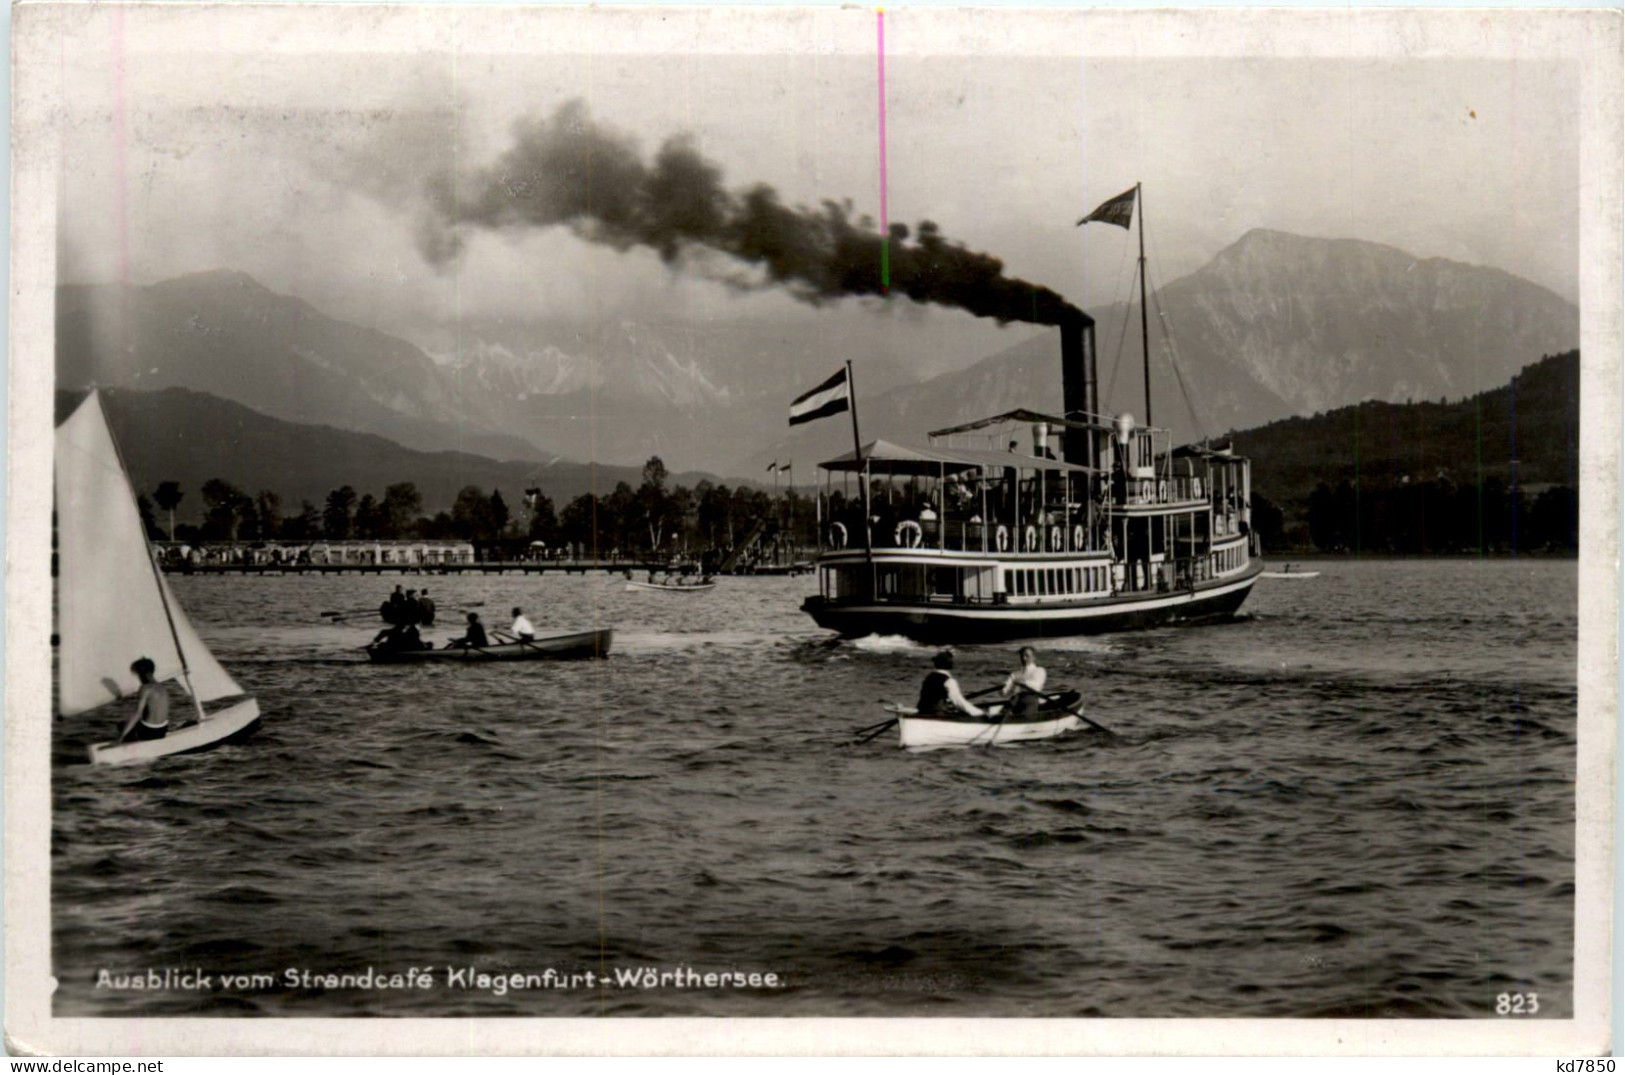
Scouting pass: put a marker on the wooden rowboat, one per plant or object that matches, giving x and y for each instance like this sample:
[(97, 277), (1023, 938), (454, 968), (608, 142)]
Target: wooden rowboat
[(698, 587), (574, 646), (1292, 574), (915, 732)]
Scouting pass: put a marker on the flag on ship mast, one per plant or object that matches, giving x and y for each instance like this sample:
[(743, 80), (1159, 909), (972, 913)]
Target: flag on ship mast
[(1118, 210), (831, 397)]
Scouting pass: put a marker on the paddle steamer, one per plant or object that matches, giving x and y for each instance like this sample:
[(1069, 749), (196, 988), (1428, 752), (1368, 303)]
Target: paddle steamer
[(1030, 525)]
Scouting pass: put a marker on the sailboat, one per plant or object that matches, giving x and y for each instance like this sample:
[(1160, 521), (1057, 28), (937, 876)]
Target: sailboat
[(115, 607)]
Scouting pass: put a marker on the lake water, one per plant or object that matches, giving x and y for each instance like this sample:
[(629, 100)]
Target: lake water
[(1355, 799)]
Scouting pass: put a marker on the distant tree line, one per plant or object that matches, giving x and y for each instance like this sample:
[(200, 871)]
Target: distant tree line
[(1436, 516), (1354, 479), (655, 518)]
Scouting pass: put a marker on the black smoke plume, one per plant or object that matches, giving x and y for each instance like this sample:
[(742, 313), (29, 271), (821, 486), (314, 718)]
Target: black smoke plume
[(564, 171)]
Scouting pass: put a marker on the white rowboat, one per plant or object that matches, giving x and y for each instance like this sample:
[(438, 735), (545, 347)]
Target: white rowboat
[(915, 732), (1292, 574)]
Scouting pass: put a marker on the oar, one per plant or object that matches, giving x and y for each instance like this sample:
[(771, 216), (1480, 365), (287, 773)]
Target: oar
[(884, 727), (888, 722), (875, 730), (347, 613), (1098, 727)]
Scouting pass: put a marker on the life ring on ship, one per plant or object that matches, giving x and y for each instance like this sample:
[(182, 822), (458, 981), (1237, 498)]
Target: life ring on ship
[(1077, 537), (1029, 539), (1057, 539), (908, 534), (1162, 491), (837, 535), (1001, 538)]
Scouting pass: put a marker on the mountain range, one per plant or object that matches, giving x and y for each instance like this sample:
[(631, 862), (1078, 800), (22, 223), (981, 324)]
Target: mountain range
[(1524, 432), (1273, 326), (1276, 325), (174, 434)]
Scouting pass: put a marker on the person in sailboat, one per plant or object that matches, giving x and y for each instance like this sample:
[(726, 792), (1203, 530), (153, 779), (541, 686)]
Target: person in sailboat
[(940, 694), (151, 717), (1025, 685)]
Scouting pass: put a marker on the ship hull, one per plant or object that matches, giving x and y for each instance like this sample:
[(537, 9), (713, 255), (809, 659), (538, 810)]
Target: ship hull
[(958, 624)]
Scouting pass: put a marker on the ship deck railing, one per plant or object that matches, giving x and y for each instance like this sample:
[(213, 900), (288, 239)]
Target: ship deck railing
[(1125, 578)]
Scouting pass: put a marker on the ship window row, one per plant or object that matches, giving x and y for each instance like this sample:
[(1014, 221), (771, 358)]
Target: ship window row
[(1229, 559), (1055, 581)]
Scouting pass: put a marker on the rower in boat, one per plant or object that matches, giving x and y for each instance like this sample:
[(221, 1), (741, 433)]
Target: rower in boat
[(392, 607), (522, 628), (940, 693), (401, 636), (425, 609), (1024, 687), (474, 636), (150, 720)]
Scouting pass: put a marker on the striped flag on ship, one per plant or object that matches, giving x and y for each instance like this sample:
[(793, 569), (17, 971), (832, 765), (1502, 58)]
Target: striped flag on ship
[(831, 397)]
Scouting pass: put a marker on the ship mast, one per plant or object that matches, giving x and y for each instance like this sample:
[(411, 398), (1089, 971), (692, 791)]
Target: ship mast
[(1145, 330)]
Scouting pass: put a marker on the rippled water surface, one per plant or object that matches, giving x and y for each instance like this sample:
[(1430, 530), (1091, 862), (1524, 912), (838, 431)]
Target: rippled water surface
[(1355, 799)]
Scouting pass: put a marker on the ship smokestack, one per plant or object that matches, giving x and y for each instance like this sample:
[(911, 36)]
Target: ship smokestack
[(1079, 389)]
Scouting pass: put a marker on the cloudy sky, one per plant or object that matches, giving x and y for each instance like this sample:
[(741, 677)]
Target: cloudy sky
[(302, 151)]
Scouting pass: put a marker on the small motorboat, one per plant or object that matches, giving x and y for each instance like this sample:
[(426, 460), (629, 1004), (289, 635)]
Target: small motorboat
[(1056, 717), (671, 587), (575, 646)]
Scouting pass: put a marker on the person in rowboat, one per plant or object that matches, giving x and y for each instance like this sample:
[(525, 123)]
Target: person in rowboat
[(940, 693), (400, 636), (475, 636), (393, 607), (425, 609), (1026, 684), (521, 628), (151, 717)]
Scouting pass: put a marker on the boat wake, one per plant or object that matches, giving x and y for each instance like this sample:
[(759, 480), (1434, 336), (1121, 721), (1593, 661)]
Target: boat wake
[(889, 644)]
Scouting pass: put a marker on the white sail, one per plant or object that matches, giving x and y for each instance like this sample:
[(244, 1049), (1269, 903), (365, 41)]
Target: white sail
[(111, 601)]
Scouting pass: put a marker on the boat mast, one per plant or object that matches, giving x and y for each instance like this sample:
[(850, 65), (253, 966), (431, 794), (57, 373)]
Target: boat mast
[(857, 448), (1145, 330), (157, 574)]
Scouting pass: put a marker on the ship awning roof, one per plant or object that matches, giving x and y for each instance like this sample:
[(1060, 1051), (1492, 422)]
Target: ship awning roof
[(1217, 450), (885, 457), (1020, 414)]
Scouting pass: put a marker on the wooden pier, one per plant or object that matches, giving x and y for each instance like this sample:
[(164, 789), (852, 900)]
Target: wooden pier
[(490, 567)]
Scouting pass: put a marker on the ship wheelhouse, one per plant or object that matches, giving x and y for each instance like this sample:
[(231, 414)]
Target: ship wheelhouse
[(991, 532)]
